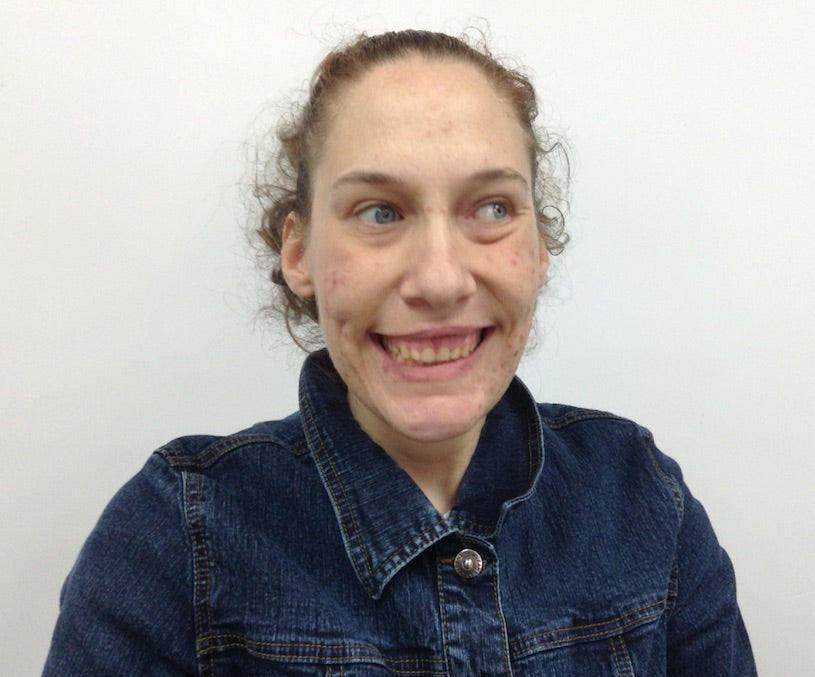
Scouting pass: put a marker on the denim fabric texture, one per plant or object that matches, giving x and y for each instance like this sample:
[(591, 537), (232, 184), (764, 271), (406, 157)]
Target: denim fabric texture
[(298, 547)]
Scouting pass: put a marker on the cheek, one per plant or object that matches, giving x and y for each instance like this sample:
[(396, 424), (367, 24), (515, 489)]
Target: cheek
[(346, 296), (526, 268), (515, 270), (332, 301), (333, 294), (335, 282), (333, 277), (529, 274)]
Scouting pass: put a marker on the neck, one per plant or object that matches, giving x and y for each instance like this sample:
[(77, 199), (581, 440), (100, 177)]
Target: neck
[(436, 466)]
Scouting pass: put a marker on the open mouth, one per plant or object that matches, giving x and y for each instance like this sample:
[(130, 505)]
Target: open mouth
[(427, 352)]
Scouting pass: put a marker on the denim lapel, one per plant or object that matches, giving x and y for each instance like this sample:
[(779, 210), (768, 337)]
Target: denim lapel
[(384, 518)]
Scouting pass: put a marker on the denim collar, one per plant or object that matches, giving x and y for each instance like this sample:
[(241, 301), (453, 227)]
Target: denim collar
[(385, 519)]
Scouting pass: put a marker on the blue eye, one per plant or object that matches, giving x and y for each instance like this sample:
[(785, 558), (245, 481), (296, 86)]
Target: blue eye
[(379, 215), (492, 211)]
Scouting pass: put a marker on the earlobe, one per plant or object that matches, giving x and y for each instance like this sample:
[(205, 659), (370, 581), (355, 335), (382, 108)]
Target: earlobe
[(293, 263)]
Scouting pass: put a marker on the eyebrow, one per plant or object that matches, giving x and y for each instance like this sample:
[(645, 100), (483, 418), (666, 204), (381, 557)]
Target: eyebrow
[(498, 174), (384, 179), (368, 178)]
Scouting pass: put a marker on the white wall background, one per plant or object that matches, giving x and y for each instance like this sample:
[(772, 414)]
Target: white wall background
[(685, 301)]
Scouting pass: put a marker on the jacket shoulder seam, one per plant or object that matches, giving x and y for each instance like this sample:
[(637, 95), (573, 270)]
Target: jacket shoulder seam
[(577, 415), (181, 458)]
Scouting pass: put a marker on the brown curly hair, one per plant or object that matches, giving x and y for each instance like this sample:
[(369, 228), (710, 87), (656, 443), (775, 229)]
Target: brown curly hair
[(283, 183)]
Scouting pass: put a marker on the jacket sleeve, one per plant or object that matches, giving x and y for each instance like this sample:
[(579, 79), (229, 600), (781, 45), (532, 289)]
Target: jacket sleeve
[(706, 634), (126, 607)]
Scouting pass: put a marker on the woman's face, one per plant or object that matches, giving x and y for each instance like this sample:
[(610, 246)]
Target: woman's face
[(422, 249)]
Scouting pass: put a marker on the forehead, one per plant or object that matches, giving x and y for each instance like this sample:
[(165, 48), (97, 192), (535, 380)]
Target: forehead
[(423, 104), (424, 75)]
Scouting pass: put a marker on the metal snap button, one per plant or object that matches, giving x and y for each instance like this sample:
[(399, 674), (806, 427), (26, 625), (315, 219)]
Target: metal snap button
[(468, 563)]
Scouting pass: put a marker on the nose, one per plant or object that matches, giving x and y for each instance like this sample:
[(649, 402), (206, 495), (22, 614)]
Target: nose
[(437, 273)]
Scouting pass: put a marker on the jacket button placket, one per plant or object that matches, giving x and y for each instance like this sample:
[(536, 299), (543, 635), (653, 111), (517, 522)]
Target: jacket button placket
[(472, 622)]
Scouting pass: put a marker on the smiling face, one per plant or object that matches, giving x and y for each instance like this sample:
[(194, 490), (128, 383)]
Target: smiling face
[(422, 249)]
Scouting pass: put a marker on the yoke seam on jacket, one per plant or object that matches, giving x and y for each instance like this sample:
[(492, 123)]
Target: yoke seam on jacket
[(210, 454)]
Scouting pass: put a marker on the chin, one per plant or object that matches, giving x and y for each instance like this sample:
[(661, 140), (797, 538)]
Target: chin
[(431, 423)]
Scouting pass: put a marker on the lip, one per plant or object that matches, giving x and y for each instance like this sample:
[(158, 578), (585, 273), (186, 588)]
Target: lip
[(436, 333), (440, 370)]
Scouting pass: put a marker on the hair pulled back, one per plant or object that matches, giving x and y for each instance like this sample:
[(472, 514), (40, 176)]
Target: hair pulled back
[(283, 184)]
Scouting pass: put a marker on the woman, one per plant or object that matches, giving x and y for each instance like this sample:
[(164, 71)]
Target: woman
[(420, 514)]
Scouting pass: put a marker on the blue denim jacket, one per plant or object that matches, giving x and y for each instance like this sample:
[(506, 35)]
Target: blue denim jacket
[(298, 547)]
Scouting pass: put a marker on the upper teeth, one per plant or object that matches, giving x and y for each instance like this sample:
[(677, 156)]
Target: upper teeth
[(407, 354)]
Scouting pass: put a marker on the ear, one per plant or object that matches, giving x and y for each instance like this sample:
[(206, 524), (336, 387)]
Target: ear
[(293, 260)]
